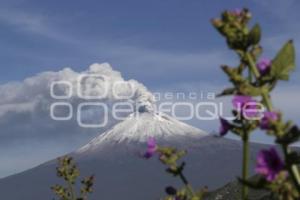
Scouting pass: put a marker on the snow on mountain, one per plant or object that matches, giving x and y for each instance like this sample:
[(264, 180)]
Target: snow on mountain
[(139, 126)]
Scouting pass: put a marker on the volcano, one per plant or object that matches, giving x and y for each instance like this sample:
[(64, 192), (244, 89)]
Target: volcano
[(139, 126), (114, 158)]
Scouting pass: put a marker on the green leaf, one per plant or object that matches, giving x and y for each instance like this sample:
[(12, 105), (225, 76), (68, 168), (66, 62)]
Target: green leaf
[(256, 182), (233, 74), (293, 158), (284, 62), (254, 35), (256, 51), (290, 137), (228, 91), (248, 89)]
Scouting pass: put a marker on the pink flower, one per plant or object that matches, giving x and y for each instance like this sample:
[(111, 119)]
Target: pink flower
[(246, 105), (236, 12), (264, 66), (151, 148), (225, 127), (267, 118), (269, 164)]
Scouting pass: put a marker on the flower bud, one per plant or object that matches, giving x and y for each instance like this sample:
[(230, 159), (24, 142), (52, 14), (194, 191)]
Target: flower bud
[(217, 22), (171, 190)]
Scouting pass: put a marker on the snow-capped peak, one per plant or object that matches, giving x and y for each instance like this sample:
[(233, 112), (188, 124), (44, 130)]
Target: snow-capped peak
[(141, 125)]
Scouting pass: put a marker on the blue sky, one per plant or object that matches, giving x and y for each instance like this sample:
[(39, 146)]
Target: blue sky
[(38, 36), (167, 45)]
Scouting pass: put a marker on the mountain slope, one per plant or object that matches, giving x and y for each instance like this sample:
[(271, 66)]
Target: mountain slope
[(122, 174), (233, 191)]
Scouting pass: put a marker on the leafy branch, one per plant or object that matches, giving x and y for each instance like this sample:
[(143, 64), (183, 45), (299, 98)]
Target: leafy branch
[(68, 171)]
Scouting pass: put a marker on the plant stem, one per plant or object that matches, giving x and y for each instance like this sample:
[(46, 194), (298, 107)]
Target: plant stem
[(245, 164), (71, 189), (256, 73), (267, 100), (252, 65), (186, 183), (293, 169), (245, 138), (249, 76)]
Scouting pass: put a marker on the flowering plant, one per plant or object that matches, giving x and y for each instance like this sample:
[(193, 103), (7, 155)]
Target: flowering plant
[(279, 176), (253, 80), (170, 157)]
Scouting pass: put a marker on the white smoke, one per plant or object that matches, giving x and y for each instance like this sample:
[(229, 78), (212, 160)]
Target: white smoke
[(25, 106), (25, 122)]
